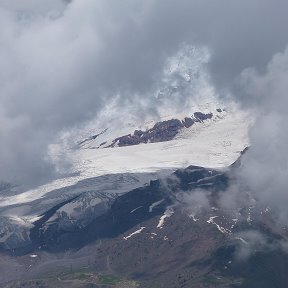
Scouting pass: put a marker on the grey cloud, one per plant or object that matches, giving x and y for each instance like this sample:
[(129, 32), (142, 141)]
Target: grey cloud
[(265, 166), (252, 241), (195, 202), (34, 6)]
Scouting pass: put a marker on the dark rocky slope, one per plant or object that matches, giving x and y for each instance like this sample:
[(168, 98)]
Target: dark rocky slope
[(158, 236)]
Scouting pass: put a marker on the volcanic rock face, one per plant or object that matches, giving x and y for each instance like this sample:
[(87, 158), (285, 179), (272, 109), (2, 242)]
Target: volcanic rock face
[(161, 131)]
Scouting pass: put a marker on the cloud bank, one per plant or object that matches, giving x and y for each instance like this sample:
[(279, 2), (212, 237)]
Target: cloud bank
[(265, 166)]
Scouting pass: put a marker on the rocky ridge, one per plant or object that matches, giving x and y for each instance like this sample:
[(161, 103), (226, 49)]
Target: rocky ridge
[(161, 131)]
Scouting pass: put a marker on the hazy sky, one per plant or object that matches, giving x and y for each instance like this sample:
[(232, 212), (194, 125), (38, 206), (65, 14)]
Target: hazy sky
[(61, 63)]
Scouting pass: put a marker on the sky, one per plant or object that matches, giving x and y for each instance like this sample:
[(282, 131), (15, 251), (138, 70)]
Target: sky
[(63, 62)]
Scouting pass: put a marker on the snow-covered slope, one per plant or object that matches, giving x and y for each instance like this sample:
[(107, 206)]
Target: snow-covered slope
[(215, 143), (97, 176), (212, 143)]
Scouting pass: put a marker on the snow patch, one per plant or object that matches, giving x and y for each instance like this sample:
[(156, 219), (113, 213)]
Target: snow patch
[(155, 204), (242, 240), (134, 233), (221, 229), (168, 213), (135, 209), (193, 217), (235, 222)]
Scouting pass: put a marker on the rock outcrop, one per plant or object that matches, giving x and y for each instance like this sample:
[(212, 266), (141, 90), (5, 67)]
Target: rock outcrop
[(161, 131)]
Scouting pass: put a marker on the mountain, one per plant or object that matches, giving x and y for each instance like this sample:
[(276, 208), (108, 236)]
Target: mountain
[(131, 215), (170, 233), (124, 149), (100, 173)]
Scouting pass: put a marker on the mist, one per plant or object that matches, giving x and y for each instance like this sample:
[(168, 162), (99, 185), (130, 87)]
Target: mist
[(265, 166)]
